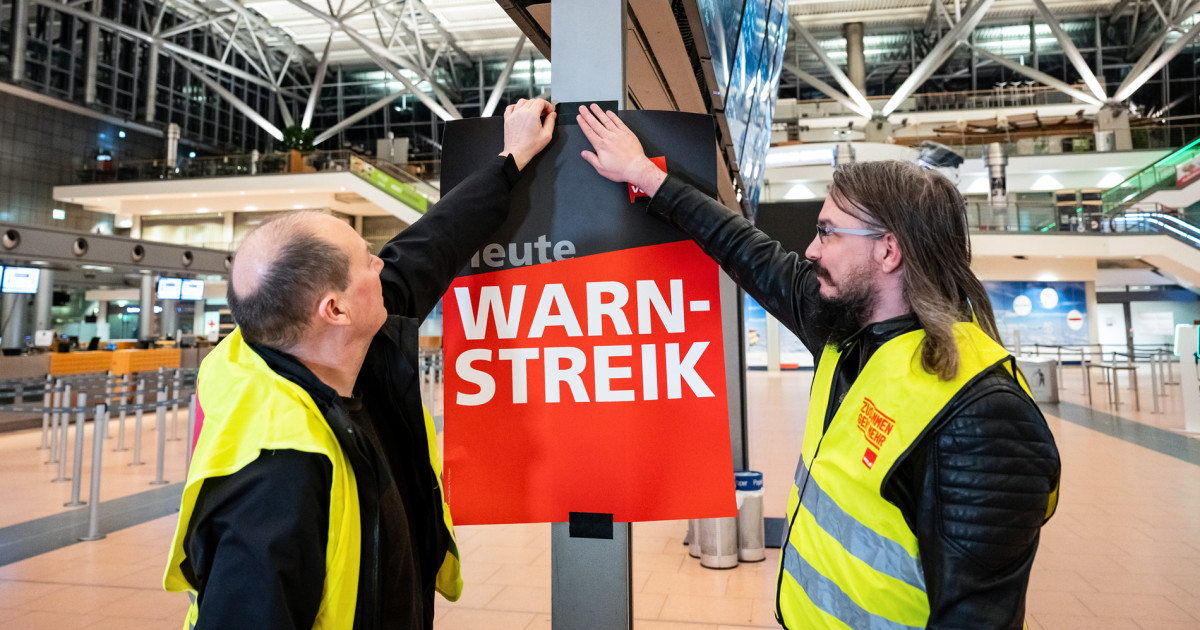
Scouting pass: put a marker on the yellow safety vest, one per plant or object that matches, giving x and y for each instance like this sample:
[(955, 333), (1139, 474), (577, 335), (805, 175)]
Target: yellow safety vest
[(249, 408), (849, 558)]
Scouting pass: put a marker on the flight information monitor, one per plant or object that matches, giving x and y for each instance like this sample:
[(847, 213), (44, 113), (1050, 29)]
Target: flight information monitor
[(20, 280), (169, 288), (192, 290)]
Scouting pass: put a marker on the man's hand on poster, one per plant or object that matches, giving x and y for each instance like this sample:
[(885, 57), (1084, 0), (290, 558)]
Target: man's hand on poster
[(618, 154), (528, 125)]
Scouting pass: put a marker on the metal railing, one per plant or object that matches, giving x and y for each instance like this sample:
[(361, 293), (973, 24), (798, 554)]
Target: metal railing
[(98, 396), (249, 164)]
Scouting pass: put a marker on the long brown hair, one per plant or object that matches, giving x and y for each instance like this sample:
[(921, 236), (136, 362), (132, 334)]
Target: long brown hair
[(926, 214)]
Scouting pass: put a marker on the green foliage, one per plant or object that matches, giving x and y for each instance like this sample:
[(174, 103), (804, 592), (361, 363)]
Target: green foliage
[(296, 138)]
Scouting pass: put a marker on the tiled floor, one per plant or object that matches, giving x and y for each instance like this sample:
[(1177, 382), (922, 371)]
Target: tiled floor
[(1123, 552)]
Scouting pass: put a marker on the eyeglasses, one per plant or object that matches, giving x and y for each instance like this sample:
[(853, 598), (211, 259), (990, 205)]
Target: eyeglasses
[(824, 231)]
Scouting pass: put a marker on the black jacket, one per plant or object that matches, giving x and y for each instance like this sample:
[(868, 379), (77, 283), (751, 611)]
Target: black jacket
[(256, 541), (974, 491)]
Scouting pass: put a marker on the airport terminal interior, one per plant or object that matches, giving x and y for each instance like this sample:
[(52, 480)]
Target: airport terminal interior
[(142, 140)]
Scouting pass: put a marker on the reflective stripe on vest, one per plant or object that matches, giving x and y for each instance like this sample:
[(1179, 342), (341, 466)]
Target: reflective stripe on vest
[(849, 558), (882, 554), (829, 597)]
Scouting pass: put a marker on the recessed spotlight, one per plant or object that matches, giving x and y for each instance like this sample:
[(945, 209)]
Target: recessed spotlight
[(248, 208), (156, 211)]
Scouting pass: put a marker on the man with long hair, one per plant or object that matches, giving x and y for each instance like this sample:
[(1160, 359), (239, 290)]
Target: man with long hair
[(927, 471)]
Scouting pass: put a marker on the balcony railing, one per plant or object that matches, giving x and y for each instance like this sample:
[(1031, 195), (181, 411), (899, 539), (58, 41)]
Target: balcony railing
[(1035, 218)]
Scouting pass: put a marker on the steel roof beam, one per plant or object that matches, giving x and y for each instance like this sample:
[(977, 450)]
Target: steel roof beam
[(940, 53), (851, 90), (1072, 53)]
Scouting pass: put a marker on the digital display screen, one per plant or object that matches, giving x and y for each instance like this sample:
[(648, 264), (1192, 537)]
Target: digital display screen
[(192, 290), (20, 280), (169, 288)]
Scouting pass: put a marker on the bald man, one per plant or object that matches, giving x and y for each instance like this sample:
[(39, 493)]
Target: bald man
[(314, 496)]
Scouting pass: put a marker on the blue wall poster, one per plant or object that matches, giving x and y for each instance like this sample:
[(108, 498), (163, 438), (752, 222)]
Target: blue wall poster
[(792, 353), (1046, 313)]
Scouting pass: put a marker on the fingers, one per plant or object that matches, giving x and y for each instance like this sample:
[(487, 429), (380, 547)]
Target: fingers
[(591, 158), (601, 116)]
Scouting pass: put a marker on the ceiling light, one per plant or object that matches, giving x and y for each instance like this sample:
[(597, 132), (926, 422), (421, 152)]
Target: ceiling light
[(1046, 182), (1110, 179), (156, 211), (799, 191), (248, 208)]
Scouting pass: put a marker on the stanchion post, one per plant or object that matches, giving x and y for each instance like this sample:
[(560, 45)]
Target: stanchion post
[(124, 387), (160, 414), (175, 407), (77, 467), (63, 420), (191, 431), (1154, 379), (100, 418), (47, 401), (109, 388), (137, 424), (55, 397)]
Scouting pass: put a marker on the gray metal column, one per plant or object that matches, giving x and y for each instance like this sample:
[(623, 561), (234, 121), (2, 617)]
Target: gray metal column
[(591, 578), (146, 303), (20, 24), (12, 312), (173, 134), (92, 57), (43, 301), (996, 161), (152, 84), (855, 59), (170, 319)]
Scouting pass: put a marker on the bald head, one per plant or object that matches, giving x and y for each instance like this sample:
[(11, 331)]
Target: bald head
[(280, 273)]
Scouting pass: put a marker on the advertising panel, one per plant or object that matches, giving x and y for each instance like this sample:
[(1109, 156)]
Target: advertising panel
[(1047, 313)]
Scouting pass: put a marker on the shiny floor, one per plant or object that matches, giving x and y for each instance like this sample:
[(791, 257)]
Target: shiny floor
[(1123, 552)]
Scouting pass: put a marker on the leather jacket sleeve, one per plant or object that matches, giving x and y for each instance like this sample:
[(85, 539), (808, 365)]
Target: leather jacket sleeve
[(421, 261), (975, 494), (783, 282), (256, 543)]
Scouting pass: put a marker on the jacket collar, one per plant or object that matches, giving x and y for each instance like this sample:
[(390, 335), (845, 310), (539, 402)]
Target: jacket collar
[(876, 334), (289, 367)]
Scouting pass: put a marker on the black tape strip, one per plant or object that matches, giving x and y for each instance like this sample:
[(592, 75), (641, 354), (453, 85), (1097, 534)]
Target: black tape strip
[(568, 111), (591, 525)]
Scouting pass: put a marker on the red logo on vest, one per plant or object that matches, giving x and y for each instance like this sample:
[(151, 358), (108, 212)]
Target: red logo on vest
[(876, 427), (634, 191)]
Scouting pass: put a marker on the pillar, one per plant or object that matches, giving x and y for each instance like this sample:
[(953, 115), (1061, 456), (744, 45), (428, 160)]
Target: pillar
[(92, 57), (20, 24), (996, 161), (170, 319), (173, 134), (591, 578), (152, 84), (12, 311), (146, 303), (855, 59), (43, 301)]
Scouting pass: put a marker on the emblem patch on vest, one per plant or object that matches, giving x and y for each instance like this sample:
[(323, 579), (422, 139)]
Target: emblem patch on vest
[(876, 427)]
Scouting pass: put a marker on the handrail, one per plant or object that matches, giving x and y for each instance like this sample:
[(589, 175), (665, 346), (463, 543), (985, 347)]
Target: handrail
[(1157, 176)]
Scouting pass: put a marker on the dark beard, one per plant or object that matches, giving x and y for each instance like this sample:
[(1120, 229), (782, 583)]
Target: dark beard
[(840, 317)]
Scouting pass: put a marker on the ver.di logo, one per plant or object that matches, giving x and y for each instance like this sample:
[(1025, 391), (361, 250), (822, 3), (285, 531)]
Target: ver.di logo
[(875, 427)]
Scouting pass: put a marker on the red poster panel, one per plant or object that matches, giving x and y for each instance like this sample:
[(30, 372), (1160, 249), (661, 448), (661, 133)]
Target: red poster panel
[(590, 384)]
